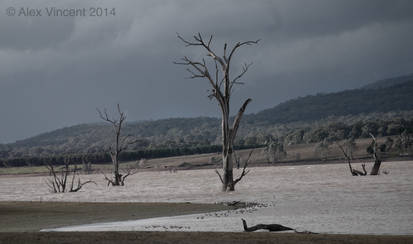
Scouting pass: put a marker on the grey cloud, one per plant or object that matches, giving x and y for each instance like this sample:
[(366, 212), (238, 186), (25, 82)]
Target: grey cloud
[(54, 72)]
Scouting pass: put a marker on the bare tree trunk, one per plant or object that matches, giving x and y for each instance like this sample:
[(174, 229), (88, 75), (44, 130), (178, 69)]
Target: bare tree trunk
[(376, 167), (228, 178), (228, 137), (116, 171), (227, 164), (377, 161)]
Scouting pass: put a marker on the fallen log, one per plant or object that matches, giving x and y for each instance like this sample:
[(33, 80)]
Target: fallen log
[(270, 227)]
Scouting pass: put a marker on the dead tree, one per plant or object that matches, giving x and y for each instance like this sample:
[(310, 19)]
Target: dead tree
[(376, 156), (269, 227), (120, 144), (122, 177), (58, 181), (244, 171), (222, 84), (353, 171)]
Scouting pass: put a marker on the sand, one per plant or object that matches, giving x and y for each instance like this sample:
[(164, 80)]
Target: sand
[(317, 198)]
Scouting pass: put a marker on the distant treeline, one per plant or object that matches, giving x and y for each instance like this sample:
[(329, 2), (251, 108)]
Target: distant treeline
[(341, 131), (102, 158), (332, 129), (329, 130)]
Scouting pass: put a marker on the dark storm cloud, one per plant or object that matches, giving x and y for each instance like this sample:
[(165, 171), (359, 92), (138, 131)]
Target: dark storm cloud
[(54, 71)]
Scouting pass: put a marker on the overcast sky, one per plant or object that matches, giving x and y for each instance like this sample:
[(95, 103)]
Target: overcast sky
[(55, 71)]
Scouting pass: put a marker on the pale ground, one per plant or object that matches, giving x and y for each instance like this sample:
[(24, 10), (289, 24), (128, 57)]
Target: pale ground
[(317, 198)]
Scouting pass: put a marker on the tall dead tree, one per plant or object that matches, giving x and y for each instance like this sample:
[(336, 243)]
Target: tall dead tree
[(222, 84), (120, 144)]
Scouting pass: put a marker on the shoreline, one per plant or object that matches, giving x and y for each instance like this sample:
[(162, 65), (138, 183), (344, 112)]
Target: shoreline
[(196, 238), (311, 162), (22, 216)]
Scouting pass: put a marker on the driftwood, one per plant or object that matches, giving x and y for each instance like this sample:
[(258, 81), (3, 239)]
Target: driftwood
[(270, 227)]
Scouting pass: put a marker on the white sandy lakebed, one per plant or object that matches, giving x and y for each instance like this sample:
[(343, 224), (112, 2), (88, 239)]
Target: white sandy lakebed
[(317, 198)]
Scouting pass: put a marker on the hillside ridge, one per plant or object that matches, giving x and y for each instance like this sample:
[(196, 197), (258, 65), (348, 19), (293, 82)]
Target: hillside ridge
[(355, 106)]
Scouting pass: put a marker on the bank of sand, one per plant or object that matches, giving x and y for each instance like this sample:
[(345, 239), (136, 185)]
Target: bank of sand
[(317, 198)]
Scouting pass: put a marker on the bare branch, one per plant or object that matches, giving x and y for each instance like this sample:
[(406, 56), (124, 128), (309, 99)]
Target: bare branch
[(347, 158), (354, 172), (127, 173), (198, 66), (219, 175), (244, 171), (235, 81), (216, 74), (344, 152), (109, 180), (104, 116), (187, 42), (209, 42), (80, 185), (225, 52), (237, 119), (194, 75), (364, 169), (200, 42), (58, 183), (238, 45)]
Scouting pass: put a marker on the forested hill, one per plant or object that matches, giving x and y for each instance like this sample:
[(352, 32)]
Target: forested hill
[(377, 97), (376, 108)]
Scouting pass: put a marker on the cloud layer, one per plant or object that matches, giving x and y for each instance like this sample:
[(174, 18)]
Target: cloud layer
[(55, 71)]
